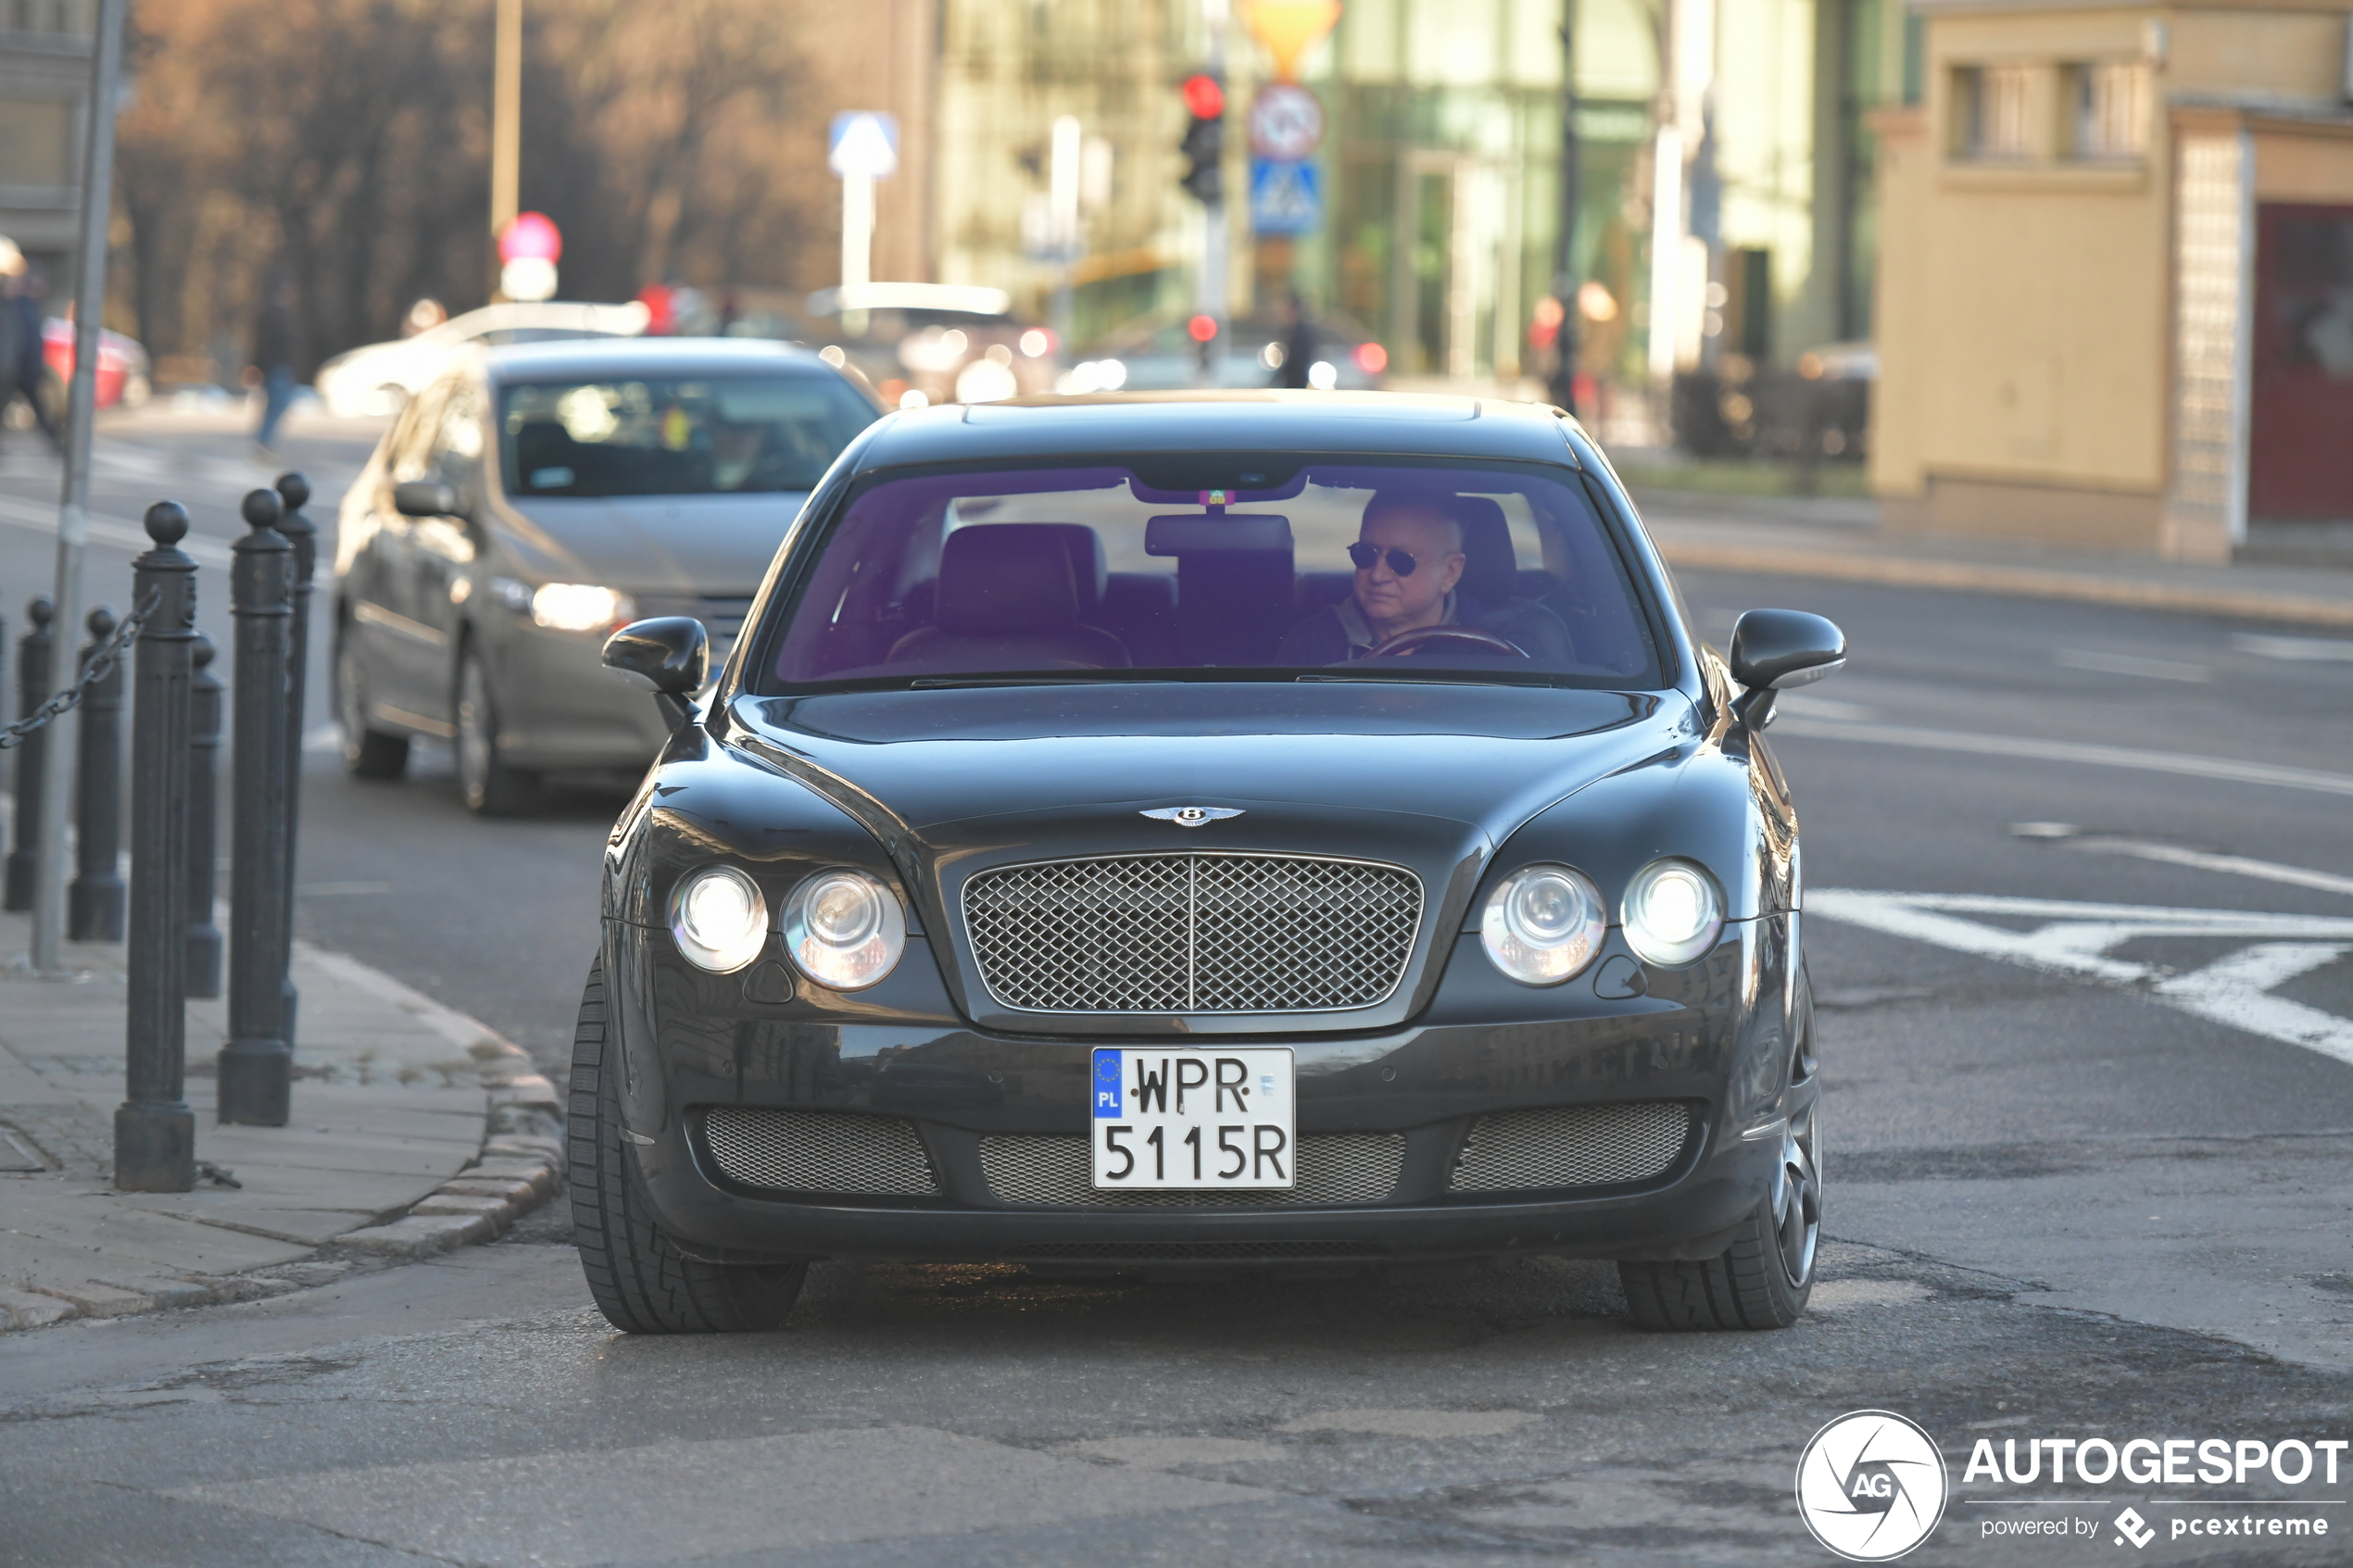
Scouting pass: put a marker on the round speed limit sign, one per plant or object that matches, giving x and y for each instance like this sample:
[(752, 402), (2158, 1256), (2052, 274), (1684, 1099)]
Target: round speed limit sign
[(1286, 121)]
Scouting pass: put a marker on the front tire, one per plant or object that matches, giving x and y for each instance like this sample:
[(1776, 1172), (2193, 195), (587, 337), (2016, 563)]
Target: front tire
[(366, 754), (491, 788), (1764, 1279), (641, 1281)]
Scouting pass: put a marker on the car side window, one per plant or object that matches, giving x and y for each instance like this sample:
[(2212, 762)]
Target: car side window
[(456, 443)]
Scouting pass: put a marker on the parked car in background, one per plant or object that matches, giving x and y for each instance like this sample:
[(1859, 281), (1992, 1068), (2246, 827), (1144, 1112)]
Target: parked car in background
[(946, 342), (1162, 355), (123, 374), (381, 377), (534, 498)]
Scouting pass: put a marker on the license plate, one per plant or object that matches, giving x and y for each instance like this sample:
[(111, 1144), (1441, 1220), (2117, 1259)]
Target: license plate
[(1192, 1119)]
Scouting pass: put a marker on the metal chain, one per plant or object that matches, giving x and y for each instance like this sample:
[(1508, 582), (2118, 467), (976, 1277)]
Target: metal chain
[(102, 663)]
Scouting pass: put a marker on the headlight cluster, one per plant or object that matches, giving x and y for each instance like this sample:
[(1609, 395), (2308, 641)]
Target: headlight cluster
[(841, 928), (580, 607), (1544, 924)]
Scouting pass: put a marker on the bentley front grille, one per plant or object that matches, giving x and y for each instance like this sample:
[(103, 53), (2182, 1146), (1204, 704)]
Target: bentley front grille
[(1192, 933), (1572, 1146), (1053, 1170), (818, 1151)]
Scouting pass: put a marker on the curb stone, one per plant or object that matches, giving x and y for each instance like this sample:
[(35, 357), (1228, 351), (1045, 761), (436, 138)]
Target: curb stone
[(514, 1172)]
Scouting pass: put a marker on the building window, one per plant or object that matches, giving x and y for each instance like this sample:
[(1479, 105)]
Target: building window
[(36, 141), (2107, 105), (1989, 113)]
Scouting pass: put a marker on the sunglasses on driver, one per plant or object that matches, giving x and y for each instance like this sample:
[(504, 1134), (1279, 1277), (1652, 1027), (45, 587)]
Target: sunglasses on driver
[(1401, 563)]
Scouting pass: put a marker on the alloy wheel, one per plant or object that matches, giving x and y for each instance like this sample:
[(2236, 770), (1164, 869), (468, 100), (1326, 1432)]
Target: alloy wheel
[(1797, 1198)]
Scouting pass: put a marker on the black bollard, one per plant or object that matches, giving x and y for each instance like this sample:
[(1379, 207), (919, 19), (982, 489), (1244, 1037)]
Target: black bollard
[(33, 690), (294, 490), (205, 703), (257, 1070), (155, 1134), (93, 903)]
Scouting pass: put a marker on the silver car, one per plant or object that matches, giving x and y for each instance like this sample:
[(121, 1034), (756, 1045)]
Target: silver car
[(534, 499)]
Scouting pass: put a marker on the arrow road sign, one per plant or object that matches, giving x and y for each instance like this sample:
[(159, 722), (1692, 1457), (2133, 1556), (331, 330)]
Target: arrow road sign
[(865, 144)]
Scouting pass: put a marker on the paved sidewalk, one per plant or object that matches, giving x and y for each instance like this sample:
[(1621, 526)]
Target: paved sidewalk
[(1839, 538), (414, 1129)]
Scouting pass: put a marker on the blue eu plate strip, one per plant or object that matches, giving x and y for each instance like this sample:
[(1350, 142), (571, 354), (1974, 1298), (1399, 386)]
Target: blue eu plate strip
[(1108, 1062)]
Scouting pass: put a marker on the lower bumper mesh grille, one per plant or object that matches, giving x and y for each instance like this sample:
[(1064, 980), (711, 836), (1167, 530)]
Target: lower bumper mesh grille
[(1053, 1170), (1572, 1146), (818, 1151)]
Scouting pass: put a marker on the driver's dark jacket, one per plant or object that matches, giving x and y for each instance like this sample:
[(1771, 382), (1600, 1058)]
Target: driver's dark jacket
[(1340, 632)]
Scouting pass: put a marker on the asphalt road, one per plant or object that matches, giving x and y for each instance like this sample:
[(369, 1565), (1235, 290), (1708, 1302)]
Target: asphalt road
[(2090, 1104)]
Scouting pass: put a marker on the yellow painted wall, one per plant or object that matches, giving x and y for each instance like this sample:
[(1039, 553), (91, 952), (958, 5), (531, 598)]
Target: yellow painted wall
[(2025, 311)]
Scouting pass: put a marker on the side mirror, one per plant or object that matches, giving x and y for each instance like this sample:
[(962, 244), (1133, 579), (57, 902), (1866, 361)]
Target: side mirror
[(426, 497), (1772, 650), (669, 655)]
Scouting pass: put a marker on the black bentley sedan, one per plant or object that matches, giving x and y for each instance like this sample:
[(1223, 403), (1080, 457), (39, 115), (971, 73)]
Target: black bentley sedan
[(1207, 831)]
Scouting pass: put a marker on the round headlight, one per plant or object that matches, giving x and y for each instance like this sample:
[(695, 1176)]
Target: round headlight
[(1673, 913), (1542, 924), (719, 918), (844, 929)]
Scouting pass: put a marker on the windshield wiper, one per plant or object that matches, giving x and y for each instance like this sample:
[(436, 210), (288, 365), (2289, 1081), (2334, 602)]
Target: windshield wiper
[(1088, 678), (1431, 677)]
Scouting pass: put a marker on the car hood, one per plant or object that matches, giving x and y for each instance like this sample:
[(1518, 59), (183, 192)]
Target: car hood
[(652, 544), (1002, 772)]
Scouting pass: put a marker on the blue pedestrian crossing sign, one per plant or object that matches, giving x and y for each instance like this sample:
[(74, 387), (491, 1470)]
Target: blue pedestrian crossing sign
[(865, 144), (1286, 198)]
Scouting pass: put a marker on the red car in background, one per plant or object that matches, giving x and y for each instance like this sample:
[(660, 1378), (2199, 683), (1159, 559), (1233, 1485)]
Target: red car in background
[(122, 365)]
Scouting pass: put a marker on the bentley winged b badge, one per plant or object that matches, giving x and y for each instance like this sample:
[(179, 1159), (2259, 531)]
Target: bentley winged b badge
[(1192, 816)]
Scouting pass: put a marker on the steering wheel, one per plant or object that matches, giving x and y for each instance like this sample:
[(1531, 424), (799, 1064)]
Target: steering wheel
[(1486, 642)]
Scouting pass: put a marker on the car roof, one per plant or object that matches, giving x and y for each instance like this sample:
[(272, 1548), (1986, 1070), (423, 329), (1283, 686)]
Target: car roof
[(647, 356), (1116, 424)]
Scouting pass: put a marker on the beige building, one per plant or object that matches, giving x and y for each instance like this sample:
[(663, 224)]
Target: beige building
[(2115, 300)]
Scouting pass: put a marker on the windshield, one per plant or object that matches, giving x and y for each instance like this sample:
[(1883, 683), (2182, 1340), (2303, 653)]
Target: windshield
[(712, 435), (1340, 570)]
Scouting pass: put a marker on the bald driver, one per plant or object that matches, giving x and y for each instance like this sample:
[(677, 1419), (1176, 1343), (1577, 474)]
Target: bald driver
[(1408, 557)]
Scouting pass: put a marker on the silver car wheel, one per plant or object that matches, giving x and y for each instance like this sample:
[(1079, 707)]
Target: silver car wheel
[(1797, 1196)]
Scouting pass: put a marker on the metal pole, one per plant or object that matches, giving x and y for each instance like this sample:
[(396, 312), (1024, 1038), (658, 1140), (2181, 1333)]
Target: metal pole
[(505, 118), (1565, 279), (73, 510), (257, 1070), (93, 904), (154, 1134), (294, 490), (205, 704), (33, 690)]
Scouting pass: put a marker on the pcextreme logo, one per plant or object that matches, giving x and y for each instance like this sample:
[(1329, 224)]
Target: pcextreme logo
[(1871, 1486)]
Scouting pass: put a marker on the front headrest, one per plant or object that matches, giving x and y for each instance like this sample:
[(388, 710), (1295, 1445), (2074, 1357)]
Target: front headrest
[(1001, 579), (1490, 567), (1089, 571)]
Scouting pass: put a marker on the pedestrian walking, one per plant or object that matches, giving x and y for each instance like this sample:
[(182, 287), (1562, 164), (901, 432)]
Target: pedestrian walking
[(23, 362), (1299, 345), (274, 354)]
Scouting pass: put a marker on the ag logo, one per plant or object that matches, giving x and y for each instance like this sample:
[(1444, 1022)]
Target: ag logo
[(1870, 1486)]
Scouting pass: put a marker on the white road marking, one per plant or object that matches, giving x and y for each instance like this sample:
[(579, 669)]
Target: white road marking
[(108, 531), (2129, 664), (2295, 650), (2205, 861), (2223, 768), (1805, 705), (2076, 938)]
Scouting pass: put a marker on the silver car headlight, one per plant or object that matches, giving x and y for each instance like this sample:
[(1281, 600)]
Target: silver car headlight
[(844, 929), (1542, 924), (719, 919), (580, 607), (1673, 913)]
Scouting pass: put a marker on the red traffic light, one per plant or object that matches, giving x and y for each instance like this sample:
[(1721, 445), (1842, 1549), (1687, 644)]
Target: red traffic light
[(1202, 328), (531, 236), (1205, 97)]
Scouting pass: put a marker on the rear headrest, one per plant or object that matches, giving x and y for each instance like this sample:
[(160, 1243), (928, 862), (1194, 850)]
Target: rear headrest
[(1490, 568), (1002, 578)]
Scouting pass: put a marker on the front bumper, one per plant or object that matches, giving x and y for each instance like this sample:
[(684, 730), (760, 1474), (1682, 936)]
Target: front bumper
[(1710, 1038)]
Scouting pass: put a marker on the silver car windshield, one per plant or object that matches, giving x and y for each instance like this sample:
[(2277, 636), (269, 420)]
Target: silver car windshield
[(1389, 569), (709, 435)]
